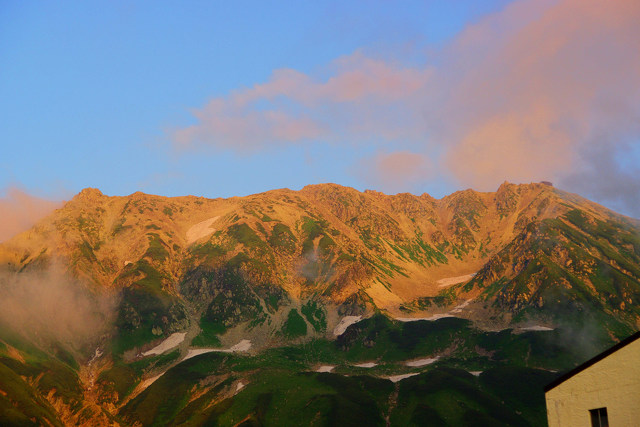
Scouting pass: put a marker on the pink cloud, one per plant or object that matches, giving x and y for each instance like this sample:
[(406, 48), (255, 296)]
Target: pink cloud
[(293, 107), (539, 93), (248, 131), (19, 211), (396, 171), (355, 78), (525, 94)]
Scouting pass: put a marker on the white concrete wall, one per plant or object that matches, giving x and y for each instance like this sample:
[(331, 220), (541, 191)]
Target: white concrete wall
[(613, 382)]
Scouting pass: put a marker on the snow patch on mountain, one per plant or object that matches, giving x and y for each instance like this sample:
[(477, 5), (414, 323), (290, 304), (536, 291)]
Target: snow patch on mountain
[(366, 365), (345, 322), (169, 343), (449, 281), (201, 229), (242, 346), (421, 362), (396, 378)]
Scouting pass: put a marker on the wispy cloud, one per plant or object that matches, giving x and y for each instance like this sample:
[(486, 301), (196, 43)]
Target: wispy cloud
[(525, 94), (395, 171), (363, 98), (19, 211)]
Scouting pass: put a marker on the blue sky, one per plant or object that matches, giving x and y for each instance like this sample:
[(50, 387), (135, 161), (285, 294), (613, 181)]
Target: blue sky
[(103, 94)]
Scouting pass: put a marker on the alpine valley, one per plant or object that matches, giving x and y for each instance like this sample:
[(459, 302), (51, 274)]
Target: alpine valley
[(324, 306)]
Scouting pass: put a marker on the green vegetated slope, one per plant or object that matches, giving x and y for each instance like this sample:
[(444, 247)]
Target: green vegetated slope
[(574, 270), (283, 268), (41, 387), (493, 377), (279, 386)]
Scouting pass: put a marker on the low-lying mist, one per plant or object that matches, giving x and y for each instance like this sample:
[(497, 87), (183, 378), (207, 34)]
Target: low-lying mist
[(52, 309)]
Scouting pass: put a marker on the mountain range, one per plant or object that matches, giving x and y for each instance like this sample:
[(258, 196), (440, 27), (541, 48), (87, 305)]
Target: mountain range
[(321, 306)]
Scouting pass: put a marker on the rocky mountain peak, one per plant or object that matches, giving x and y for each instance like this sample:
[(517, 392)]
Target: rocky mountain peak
[(89, 192)]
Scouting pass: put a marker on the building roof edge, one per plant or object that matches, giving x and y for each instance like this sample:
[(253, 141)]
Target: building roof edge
[(591, 361)]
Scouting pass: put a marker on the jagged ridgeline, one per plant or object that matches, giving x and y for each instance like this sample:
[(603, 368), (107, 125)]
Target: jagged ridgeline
[(236, 302)]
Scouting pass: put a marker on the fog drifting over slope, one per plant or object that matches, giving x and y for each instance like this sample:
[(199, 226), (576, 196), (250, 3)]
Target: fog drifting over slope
[(49, 307)]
